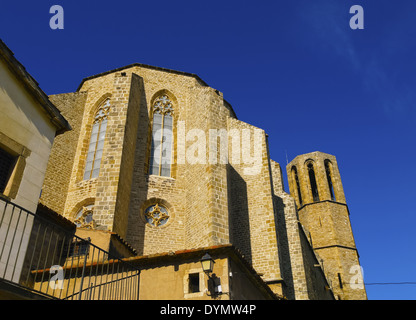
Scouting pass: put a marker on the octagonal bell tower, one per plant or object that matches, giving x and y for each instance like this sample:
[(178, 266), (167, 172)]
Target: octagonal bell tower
[(315, 183)]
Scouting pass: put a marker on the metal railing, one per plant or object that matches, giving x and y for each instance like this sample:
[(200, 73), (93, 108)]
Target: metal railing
[(43, 256)]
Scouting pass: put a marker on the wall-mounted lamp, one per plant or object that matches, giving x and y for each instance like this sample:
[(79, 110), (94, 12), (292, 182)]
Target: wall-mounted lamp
[(207, 264), (214, 283)]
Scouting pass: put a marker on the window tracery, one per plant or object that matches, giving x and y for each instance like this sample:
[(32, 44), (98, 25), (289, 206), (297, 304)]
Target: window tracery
[(156, 215), (96, 145), (84, 217), (162, 137)]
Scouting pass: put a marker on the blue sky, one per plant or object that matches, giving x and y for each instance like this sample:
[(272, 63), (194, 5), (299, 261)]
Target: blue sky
[(293, 68)]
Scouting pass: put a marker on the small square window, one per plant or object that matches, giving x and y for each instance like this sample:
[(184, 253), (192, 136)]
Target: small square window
[(193, 283), (78, 247)]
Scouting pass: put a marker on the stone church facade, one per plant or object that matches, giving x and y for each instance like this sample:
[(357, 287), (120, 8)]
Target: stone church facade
[(159, 158)]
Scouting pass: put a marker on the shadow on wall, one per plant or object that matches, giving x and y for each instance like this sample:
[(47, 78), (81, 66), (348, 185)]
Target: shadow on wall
[(286, 271), (139, 187), (239, 220)]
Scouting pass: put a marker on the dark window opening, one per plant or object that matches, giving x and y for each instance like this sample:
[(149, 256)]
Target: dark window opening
[(295, 174), (340, 280), (78, 248), (193, 283), (7, 162), (329, 177), (312, 179)]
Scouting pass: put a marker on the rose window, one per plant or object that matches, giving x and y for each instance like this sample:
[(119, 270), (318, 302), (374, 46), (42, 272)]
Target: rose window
[(156, 215), (84, 218)]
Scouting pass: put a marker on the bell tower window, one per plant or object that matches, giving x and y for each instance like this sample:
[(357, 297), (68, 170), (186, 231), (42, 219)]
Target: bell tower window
[(296, 179), (312, 179), (328, 170)]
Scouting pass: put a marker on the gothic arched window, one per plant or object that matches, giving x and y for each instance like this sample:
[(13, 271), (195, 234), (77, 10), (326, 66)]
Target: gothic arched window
[(96, 146), (312, 179), (161, 150), (328, 169), (296, 179)]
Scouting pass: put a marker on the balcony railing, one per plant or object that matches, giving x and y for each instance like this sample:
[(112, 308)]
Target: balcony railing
[(44, 257)]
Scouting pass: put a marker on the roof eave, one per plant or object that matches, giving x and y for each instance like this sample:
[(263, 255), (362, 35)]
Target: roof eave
[(33, 88)]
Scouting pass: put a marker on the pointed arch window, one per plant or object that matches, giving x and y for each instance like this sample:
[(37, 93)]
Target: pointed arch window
[(96, 146), (312, 179), (296, 179), (328, 169), (162, 137)]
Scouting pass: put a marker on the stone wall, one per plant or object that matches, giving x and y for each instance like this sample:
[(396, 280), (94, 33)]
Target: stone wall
[(61, 160), (289, 241), (84, 192), (251, 210), (317, 286)]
